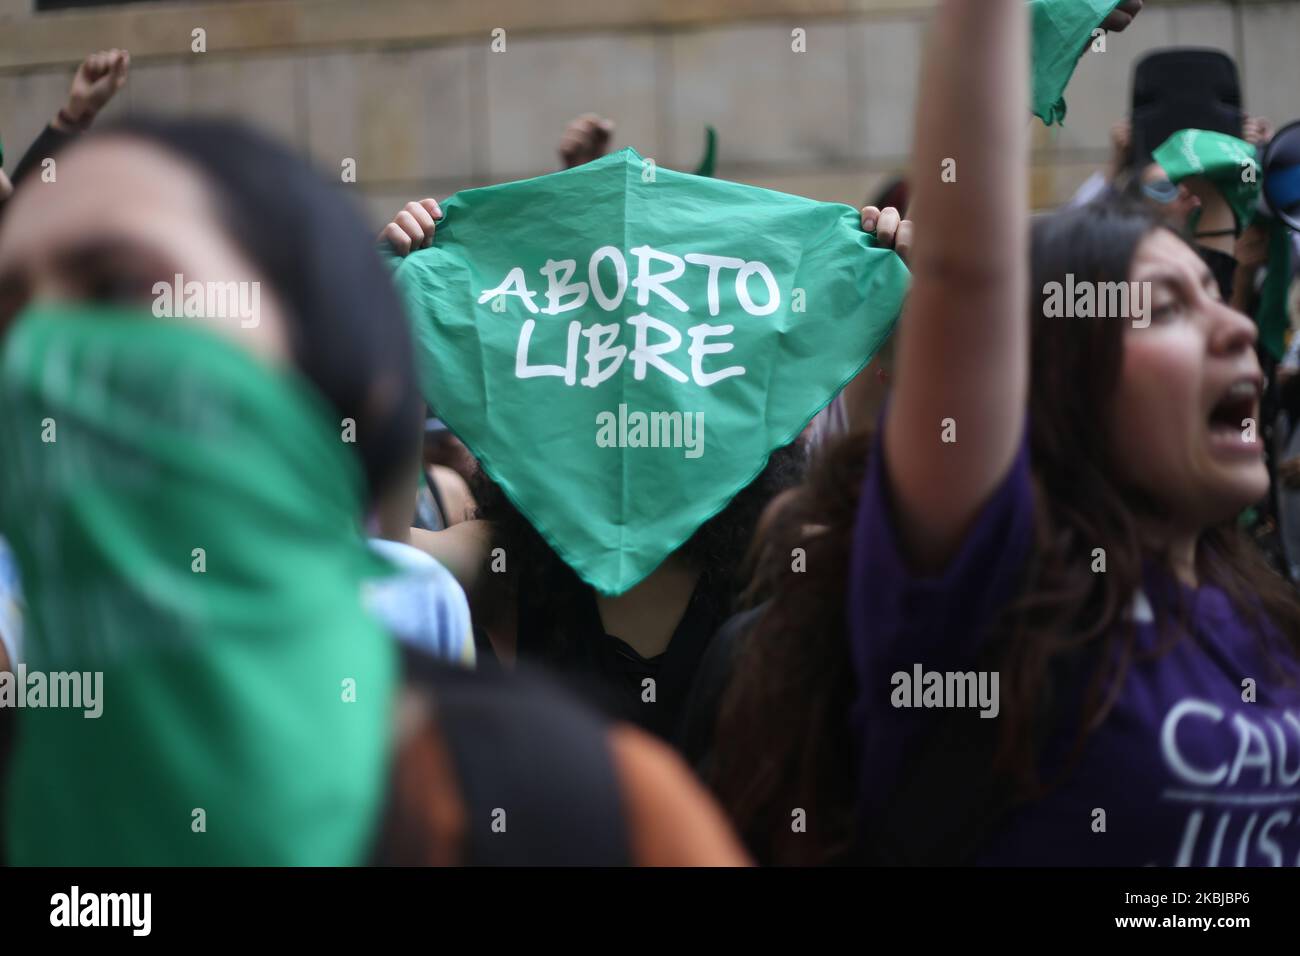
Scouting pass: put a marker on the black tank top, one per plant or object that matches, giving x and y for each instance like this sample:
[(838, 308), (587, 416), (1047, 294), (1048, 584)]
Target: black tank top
[(607, 671)]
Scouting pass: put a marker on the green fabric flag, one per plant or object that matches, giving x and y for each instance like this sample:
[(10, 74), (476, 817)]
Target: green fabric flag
[(1272, 317), (1060, 31), (710, 159), (623, 346), (186, 521), (1226, 161)]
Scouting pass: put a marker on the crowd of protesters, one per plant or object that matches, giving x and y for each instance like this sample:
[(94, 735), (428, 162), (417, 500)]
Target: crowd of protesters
[(1114, 537)]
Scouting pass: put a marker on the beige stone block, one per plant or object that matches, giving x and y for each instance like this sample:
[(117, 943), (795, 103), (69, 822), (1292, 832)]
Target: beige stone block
[(884, 63), (162, 29), (768, 103), (1271, 71), (401, 114), (535, 86), (263, 91), (1054, 181), (1198, 24), (850, 185)]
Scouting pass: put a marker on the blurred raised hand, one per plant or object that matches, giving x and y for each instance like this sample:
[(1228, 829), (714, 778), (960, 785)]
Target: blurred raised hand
[(96, 81), (585, 138), (1257, 130)]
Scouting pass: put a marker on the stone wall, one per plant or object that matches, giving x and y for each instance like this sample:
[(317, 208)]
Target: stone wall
[(411, 90)]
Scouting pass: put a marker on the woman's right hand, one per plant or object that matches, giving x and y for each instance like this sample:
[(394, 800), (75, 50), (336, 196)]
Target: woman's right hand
[(585, 138), (413, 226), (889, 227), (1118, 20)]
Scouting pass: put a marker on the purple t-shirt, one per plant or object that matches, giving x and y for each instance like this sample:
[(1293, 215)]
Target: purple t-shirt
[(1186, 772)]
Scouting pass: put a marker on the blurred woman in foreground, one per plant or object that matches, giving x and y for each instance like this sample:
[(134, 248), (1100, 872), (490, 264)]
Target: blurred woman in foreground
[(185, 490)]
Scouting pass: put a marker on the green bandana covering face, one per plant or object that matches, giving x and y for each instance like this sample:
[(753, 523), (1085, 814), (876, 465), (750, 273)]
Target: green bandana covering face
[(623, 346), (1271, 316), (186, 523), (1227, 162), (1060, 30)]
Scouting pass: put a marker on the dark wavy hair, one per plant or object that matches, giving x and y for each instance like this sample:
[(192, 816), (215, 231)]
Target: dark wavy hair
[(782, 736)]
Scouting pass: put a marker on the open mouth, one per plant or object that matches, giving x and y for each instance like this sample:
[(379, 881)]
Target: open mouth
[(1237, 411)]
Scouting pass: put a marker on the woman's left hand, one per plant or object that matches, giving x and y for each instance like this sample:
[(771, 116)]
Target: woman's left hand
[(892, 231)]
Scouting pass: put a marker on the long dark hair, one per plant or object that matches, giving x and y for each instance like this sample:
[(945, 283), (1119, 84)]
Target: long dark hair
[(782, 738), (783, 732)]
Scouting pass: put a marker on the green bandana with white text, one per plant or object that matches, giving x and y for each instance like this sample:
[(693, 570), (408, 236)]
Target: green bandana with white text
[(186, 522), (623, 346)]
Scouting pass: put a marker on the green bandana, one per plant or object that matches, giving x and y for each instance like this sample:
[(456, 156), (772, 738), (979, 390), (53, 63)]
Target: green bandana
[(1271, 316), (623, 346), (1061, 29), (1227, 162), (710, 160), (186, 523)]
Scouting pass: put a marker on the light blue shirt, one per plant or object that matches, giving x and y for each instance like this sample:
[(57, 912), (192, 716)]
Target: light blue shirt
[(11, 604), (421, 604)]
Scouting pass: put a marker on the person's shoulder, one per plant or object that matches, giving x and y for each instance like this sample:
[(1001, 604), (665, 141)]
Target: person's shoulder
[(671, 819), (582, 790)]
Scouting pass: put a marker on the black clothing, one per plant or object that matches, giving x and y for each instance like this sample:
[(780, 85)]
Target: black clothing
[(47, 144), (533, 769), (609, 672)]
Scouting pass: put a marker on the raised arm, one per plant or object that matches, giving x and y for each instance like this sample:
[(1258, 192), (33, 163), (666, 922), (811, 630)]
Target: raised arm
[(97, 80), (464, 548), (961, 370)]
